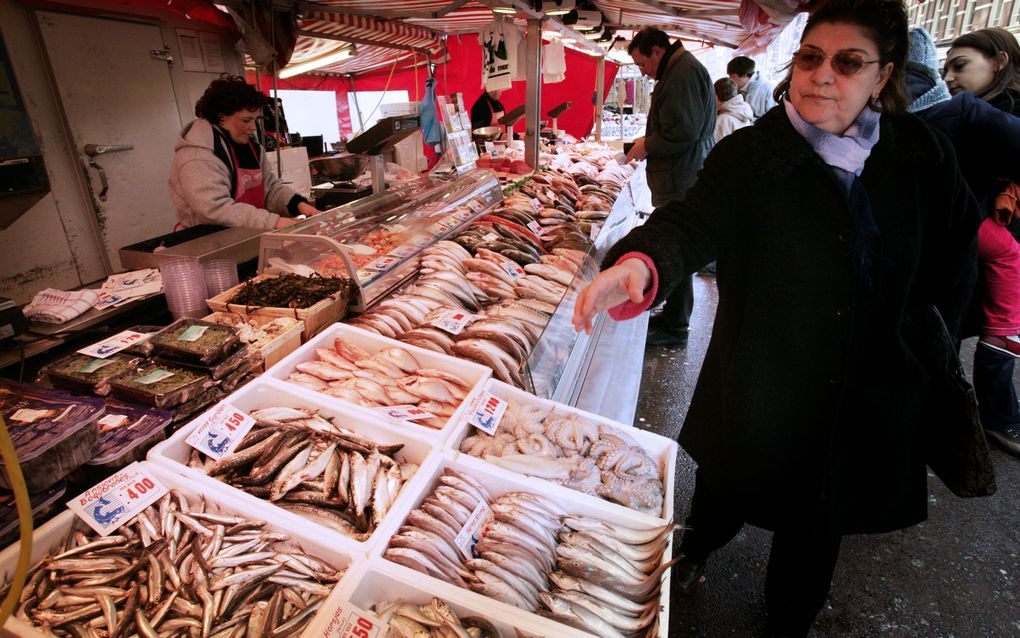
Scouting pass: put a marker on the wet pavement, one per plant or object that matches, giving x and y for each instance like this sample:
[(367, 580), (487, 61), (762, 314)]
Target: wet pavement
[(955, 576)]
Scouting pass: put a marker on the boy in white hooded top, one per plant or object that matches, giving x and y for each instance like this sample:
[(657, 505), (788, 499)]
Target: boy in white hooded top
[(733, 111)]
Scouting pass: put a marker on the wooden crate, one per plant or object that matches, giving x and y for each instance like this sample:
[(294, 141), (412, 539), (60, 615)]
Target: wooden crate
[(315, 318)]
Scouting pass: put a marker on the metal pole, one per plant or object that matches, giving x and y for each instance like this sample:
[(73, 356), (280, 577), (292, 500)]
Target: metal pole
[(357, 106), (276, 95), (600, 81), (533, 100)]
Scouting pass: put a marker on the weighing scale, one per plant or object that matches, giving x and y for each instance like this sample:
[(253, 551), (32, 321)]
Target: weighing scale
[(381, 137)]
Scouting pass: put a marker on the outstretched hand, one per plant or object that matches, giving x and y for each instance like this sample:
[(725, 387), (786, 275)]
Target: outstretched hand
[(627, 280)]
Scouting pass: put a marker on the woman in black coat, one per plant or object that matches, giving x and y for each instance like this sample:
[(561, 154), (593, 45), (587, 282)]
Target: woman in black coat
[(829, 219)]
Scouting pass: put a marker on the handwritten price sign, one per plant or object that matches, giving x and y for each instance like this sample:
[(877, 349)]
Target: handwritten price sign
[(487, 413), (220, 430), (118, 499), (116, 343), (350, 621)]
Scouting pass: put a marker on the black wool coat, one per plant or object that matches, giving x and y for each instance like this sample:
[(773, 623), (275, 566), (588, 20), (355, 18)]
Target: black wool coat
[(808, 393)]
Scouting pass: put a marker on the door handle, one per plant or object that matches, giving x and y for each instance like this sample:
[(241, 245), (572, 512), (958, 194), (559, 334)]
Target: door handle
[(94, 150)]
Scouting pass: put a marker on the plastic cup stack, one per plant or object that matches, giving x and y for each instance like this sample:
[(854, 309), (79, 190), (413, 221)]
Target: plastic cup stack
[(184, 287), (220, 275)]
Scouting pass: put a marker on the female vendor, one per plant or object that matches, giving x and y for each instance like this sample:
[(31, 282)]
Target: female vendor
[(219, 174)]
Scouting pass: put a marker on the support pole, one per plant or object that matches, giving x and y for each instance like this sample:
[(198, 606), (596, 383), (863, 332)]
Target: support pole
[(533, 100), (600, 92)]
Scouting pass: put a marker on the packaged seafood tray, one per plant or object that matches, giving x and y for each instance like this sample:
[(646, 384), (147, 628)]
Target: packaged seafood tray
[(315, 317), (574, 551), (159, 386), (48, 539), (82, 373), (194, 341), (53, 431), (231, 360), (372, 585), (42, 504), (126, 432), (389, 373), (275, 337), (576, 453), (279, 406)]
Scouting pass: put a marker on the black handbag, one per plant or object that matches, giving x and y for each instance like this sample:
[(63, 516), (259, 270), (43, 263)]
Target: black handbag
[(954, 442)]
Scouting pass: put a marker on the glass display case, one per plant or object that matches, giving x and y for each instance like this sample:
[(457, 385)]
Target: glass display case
[(374, 240)]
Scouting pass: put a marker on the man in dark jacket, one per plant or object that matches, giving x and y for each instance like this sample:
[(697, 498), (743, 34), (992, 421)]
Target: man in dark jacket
[(678, 136)]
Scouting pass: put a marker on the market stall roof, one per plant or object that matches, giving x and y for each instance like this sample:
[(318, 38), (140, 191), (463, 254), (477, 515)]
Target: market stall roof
[(418, 26)]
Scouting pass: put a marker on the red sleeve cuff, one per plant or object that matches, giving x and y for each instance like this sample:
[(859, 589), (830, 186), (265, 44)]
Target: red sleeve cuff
[(629, 309)]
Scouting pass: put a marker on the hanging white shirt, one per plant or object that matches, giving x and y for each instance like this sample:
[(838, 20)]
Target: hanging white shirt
[(554, 62), (499, 54)]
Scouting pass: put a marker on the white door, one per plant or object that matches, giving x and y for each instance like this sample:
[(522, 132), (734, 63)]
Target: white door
[(116, 90)]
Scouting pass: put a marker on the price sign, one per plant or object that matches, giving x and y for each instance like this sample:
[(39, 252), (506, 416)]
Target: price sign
[(487, 413), (535, 227), (382, 263), (512, 269), (535, 204), (447, 223), (476, 205), (220, 430), (452, 321), (350, 621), (471, 533), (593, 232), (464, 215), (403, 251), (116, 343), (498, 151), (405, 412), (118, 499)]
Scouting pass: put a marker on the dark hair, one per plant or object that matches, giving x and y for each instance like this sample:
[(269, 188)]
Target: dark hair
[(885, 23), (740, 65), (227, 95), (991, 42), (725, 89), (647, 38)]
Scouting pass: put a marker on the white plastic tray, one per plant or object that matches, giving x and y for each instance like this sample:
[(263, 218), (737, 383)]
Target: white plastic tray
[(173, 453), (472, 373), (497, 483), (661, 449), (53, 533)]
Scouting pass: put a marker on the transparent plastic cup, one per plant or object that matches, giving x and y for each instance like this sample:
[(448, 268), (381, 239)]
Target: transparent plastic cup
[(184, 287), (220, 275)]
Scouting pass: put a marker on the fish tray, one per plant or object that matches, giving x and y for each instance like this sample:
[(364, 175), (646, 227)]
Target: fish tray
[(499, 483), (53, 533), (279, 347), (174, 452), (315, 317), (43, 503), (659, 448), (137, 429), (82, 373), (197, 342), (140, 385), (471, 372)]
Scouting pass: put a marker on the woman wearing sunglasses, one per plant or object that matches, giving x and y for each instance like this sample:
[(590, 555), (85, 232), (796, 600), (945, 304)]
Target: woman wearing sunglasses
[(828, 218)]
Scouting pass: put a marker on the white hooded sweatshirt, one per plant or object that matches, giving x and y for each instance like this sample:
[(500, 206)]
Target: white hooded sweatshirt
[(733, 114)]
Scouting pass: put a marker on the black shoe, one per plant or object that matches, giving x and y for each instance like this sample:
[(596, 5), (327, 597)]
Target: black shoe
[(1008, 438), (666, 339), (687, 574)]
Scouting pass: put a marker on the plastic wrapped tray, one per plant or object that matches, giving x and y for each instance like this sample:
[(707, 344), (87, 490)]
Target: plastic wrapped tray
[(217, 369), (194, 406), (175, 451), (143, 348), (159, 386), (53, 533), (274, 346), (53, 431), (126, 432), (470, 372), (42, 504), (196, 341), (82, 373)]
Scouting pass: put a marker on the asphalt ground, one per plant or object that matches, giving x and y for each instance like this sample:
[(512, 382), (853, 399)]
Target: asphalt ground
[(957, 575)]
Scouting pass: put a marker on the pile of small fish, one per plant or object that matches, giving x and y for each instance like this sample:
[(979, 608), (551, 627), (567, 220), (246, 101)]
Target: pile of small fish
[(434, 620), (565, 448), (176, 569), (609, 578), (389, 377), (308, 465), (587, 573)]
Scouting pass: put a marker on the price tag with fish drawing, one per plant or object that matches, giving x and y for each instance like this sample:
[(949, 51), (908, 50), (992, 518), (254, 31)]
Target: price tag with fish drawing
[(512, 269), (118, 499), (220, 430), (405, 412), (535, 204), (453, 321), (351, 621), (487, 413), (471, 533), (115, 344), (535, 227)]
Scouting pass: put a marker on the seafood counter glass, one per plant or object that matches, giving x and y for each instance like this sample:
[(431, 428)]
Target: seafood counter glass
[(374, 240)]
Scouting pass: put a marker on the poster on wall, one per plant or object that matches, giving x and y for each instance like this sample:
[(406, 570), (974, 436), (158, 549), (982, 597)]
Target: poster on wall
[(191, 50), (212, 54)]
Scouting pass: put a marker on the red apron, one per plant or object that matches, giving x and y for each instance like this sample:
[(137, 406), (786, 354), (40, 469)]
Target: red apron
[(249, 189)]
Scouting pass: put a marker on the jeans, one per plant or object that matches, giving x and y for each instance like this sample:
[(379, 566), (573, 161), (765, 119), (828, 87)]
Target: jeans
[(993, 384)]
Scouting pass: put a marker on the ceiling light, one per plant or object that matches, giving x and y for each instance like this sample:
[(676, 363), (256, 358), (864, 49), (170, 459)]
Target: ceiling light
[(505, 10), (331, 58), (557, 7), (551, 34), (593, 35)]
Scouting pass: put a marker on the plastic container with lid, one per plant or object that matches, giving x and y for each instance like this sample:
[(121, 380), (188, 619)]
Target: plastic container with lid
[(126, 432), (220, 368), (43, 503), (53, 431), (159, 385), (82, 373), (196, 341)]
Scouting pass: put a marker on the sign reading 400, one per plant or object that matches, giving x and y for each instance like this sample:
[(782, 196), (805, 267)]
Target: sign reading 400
[(118, 499)]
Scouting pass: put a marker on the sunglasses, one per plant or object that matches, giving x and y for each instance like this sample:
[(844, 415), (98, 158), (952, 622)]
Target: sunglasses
[(843, 62)]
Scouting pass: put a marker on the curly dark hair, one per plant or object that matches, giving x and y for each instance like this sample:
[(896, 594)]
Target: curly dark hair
[(885, 23), (227, 95), (991, 42)]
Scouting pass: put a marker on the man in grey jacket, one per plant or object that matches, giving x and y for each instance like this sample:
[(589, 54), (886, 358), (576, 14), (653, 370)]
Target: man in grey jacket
[(756, 91), (679, 134)]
